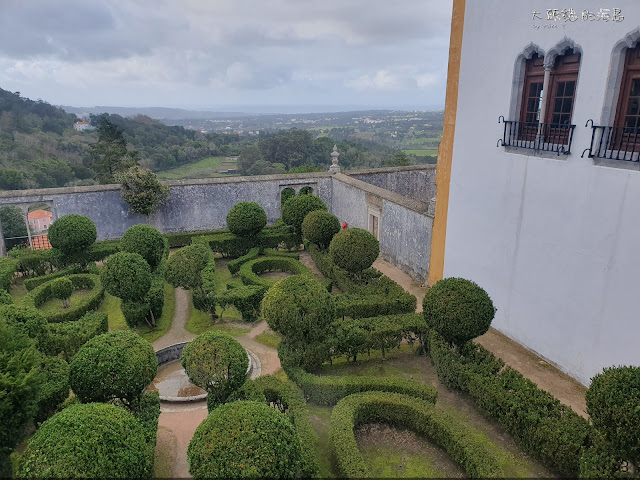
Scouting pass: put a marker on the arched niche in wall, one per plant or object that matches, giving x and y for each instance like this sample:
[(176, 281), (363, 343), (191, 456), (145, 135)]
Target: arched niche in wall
[(616, 72)]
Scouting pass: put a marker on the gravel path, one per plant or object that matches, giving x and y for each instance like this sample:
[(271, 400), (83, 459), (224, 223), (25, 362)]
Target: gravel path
[(177, 332)]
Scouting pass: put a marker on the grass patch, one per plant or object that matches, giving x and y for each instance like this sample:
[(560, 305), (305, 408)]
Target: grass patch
[(111, 306), (320, 417), (163, 324), (269, 339), (207, 167), (18, 291), (199, 322), (388, 462), (422, 153), (165, 453), (55, 304)]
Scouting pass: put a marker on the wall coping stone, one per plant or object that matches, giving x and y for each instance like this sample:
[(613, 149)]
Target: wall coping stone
[(408, 168), (415, 205)]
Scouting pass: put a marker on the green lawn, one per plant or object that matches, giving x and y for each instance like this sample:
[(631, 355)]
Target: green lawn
[(422, 153), (207, 167), (269, 339), (18, 291), (55, 304)]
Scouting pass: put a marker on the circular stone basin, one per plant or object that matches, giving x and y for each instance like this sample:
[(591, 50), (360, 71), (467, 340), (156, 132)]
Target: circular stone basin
[(172, 381)]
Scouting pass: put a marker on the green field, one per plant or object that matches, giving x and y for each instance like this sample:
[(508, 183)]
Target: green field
[(422, 153), (205, 168)]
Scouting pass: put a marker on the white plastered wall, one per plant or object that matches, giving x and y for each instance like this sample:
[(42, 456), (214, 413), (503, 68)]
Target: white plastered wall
[(555, 241)]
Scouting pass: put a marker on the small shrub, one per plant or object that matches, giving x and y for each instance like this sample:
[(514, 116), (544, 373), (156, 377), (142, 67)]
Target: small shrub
[(126, 275), (87, 441), (126, 359), (62, 288), (613, 403), (72, 233), (246, 219), (300, 308), (245, 440), (354, 249), (217, 363), (296, 208), (320, 227), (458, 309), (146, 241), (142, 190)]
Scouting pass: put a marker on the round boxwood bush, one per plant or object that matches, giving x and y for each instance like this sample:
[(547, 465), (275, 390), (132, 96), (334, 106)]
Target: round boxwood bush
[(245, 440), (246, 219), (296, 208), (300, 309), (62, 288), (126, 275), (354, 249), (113, 365), (217, 363), (87, 441), (72, 233), (458, 309), (613, 403), (184, 267), (320, 226), (145, 241)]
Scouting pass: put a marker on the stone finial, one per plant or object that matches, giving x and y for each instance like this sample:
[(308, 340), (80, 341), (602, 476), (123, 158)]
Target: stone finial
[(334, 168)]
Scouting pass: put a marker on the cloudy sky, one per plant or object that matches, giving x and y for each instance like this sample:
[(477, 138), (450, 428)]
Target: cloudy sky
[(216, 53)]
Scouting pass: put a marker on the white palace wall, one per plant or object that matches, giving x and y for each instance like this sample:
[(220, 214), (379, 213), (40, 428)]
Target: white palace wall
[(555, 240)]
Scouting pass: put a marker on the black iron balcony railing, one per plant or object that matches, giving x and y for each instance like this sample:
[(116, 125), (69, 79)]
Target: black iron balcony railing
[(546, 137), (614, 143)]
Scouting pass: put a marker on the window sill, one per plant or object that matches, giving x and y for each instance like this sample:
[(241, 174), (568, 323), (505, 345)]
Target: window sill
[(529, 152), (621, 164)]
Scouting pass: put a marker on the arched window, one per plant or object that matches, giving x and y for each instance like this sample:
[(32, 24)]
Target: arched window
[(563, 81), (531, 97), (627, 120)]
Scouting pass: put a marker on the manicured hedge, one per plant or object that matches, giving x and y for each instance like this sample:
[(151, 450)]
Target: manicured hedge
[(230, 245), (473, 455), (87, 441), (185, 238), (328, 390), (250, 271), (246, 219), (8, 267), (147, 412), (66, 338), (352, 337), (41, 294), (234, 265), (372, 295), (545, 428), (55, 389), (31, 283), (246, 299), (286, 398), (34, 262)]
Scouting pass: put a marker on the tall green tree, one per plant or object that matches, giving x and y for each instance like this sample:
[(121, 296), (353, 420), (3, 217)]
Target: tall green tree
[(13, 224), (109, 154)]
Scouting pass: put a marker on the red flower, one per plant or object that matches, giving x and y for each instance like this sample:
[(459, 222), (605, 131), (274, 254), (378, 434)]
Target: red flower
[(344, 225)]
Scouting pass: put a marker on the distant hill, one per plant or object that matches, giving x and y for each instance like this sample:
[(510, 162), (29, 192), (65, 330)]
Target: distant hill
[(158, 113)]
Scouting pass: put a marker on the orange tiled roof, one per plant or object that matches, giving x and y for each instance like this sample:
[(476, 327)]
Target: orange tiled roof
[(40, 214)]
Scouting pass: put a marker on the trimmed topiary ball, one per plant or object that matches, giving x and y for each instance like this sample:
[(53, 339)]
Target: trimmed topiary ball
[(354, 249), (184, 267), (245, 440), (113, 365), (246, 219), (62, 288), (145, 241), (320, 227), (458, 309), (300, 308), (126, 275), (87, 441), (613, 403), (217, 363), (72, 233), (296, 208)]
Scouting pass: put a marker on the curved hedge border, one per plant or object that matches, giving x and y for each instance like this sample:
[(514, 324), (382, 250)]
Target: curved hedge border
[(249, 271), (31, 283), (41, 294), (422, 417), (329, 390), (66, 338), (234, 265), (8, 267), (545, 428)]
